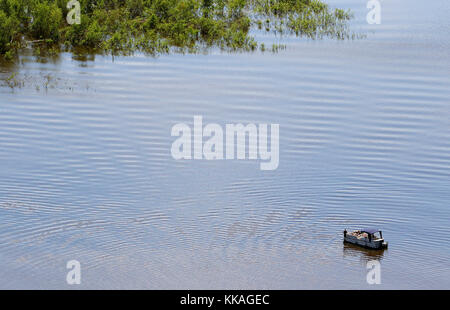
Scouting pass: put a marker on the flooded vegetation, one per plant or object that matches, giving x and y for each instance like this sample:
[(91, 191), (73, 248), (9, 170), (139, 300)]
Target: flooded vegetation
[(39, 82), (163, 26)]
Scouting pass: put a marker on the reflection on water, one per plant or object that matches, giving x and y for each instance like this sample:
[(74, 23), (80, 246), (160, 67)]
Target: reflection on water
[(86, 171), (365, 255)]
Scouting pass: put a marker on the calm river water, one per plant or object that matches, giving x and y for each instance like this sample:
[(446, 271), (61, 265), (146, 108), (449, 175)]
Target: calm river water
[(86, 171)]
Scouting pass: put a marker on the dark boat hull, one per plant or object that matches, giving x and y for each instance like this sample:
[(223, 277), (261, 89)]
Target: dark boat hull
[(364, 242)]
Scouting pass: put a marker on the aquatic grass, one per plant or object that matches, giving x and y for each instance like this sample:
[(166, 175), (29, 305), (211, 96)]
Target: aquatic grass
[(43, 81), (162, 26)]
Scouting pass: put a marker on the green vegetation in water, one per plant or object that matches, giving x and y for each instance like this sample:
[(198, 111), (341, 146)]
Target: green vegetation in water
[(161, 26), (44, 81)]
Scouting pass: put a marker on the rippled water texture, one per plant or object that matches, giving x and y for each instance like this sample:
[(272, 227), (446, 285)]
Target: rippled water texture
[(86, 171)]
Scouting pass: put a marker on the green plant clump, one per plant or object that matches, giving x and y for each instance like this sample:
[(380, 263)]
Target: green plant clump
[(160, 26)]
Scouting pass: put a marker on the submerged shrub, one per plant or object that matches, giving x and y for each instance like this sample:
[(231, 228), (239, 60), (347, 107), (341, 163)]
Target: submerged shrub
[(135, 7), (8, 28), (156, 26), (88, 34), (17, 9), (47, 18)]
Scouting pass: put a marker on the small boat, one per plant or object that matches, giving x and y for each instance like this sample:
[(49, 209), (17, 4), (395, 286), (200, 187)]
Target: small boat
[(368, 238)]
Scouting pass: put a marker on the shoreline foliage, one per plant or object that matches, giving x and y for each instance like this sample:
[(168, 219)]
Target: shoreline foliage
[(161, 26)]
